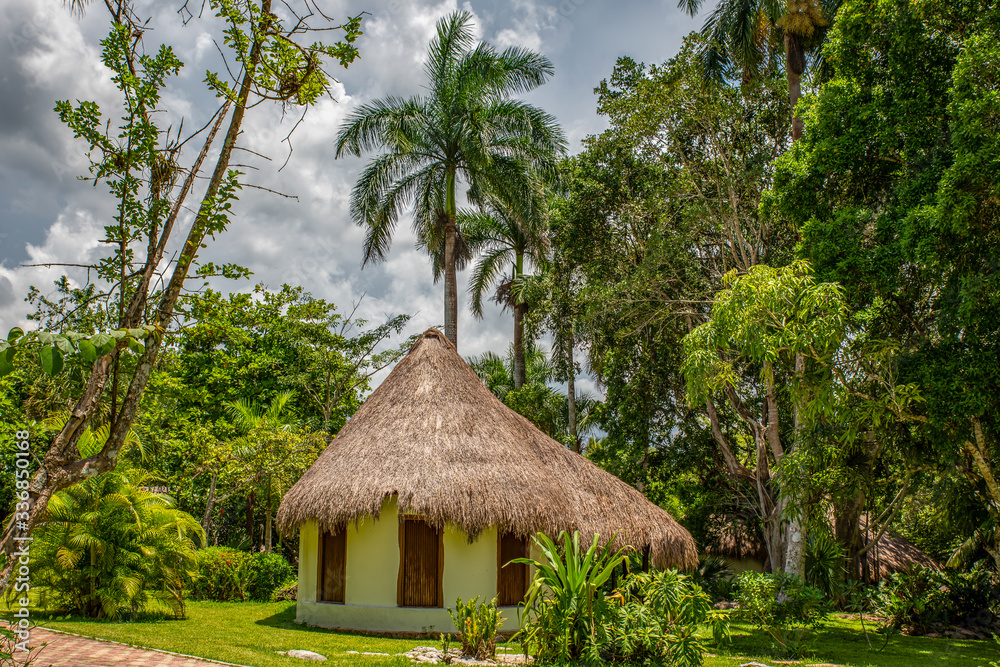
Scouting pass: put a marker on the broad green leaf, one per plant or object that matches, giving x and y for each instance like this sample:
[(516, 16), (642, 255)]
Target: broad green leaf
[(51, 359), (136, 346), (63, 344), (89, 351), (6, 361), (104, 344), (14, 334)]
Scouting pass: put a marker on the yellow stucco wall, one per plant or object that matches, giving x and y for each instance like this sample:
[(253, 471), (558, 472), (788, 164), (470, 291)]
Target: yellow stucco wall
[(308, 561), (470, 570), (373, 559), (372, 569)]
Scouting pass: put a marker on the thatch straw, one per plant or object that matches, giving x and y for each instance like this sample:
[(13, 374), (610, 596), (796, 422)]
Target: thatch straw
[(434, 436), (892, 553)]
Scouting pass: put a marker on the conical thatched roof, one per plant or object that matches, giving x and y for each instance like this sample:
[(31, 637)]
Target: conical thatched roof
[(433, 435)]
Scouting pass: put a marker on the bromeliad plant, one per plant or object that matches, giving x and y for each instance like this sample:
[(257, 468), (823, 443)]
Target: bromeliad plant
[(566, 611), (477, 624)]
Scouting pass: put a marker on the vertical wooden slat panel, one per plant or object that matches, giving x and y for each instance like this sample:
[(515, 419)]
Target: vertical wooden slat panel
[(512, 578), (421, 565), (333, 566)]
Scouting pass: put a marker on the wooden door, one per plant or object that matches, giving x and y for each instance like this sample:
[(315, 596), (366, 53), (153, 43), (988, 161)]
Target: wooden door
[(512, 578), (333, 566), (421, 564)]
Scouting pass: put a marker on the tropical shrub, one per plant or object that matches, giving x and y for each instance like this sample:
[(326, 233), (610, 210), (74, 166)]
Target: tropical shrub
[(566, 611), (657, 618), (477, 624), (782, 605), (824, 563), (651, 618), (229, 575), (107, 548), (268, 571), (288, 591), (224, 575), (921, 598), (714, 576)]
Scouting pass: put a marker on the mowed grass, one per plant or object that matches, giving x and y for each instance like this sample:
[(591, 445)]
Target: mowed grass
[(252, 633)]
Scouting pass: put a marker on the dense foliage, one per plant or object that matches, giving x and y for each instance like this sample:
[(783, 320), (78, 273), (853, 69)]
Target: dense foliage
[(649, 618)]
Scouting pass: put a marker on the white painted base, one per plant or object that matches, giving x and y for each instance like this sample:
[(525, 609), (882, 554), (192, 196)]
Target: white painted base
[(385, 619)]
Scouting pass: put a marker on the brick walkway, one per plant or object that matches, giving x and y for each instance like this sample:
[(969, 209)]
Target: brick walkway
[(65, 650)]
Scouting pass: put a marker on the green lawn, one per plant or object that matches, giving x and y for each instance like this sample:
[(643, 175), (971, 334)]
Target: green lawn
[(251, 633)]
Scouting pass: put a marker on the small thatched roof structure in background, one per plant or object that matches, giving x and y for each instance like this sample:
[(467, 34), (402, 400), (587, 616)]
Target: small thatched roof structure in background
[(434, 436), (738, 540), (893, 554)]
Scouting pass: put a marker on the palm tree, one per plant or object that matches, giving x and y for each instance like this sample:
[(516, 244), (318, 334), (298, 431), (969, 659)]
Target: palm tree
[(542, 405), (749, 33), (106, 546), (466, 128), (505, 237), (261, 427)]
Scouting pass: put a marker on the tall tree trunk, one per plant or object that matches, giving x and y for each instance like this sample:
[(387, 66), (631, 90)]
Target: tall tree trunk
[(267, 522), (795, 555), (520, 367), (795, 64), (847, 528), (571, 396), (450, 274), (206, 519), (251, 499)]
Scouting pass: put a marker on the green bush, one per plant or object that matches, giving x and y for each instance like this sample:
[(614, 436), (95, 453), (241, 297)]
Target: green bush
[(267, 573), (921, 598), (824, 563), (288, 591), (657, 619), (228, 575), (477, 625), (782, 605), (109, 549), (714, 576), (224, 575), (650, 619)]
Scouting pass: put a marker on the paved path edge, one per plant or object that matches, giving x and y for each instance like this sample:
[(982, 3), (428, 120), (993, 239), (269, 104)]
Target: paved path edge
[(144, 648)]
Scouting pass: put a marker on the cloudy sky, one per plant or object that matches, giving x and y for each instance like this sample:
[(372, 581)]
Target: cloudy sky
[(48, 215)]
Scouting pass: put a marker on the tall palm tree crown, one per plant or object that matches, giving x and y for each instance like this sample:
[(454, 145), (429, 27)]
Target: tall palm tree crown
[(466, 128), (751, 33)]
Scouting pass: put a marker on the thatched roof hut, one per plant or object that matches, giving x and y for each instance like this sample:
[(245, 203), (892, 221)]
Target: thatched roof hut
[(740, 542), (433, 436)]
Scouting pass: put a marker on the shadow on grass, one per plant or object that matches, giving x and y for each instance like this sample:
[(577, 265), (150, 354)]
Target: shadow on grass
[(839, 644)]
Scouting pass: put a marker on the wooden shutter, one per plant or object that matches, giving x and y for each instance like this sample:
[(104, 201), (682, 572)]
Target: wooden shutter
[(333, 566), (512, 578), (421, 561)]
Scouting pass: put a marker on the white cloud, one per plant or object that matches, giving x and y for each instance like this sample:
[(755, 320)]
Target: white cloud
[(48, 216)]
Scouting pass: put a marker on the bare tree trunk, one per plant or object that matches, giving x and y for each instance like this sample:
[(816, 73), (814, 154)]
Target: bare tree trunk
[(520, 368), (847, 528), (571, 397), (206, 519), (450, 276), (267, 521), (795, 64), (795, 555)]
